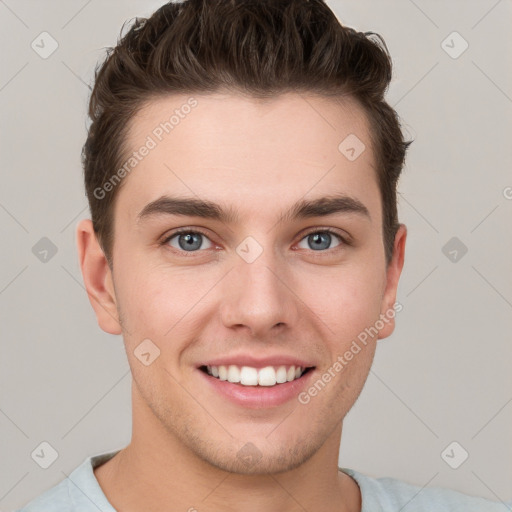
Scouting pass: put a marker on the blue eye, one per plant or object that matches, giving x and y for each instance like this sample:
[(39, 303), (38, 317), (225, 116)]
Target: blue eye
[(321, 239), (188, 241)]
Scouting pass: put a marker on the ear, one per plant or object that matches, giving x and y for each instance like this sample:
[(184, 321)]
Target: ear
[(97, 278), (392, 276)]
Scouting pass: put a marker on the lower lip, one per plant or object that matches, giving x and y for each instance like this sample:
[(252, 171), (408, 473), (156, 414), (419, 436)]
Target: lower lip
[(258, 397)]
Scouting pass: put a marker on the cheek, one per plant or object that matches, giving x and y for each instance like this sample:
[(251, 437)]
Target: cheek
[(142, 300), (158, 302), (347, 301)]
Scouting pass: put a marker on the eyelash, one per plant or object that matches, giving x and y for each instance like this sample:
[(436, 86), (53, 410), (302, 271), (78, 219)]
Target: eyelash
[(179, 231)]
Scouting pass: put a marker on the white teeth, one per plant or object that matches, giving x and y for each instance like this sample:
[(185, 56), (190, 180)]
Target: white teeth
[(267, 376), (223, 373), (281, 375), (249, 376), (233, 373)]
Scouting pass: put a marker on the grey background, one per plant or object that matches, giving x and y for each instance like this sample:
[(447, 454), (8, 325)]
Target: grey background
[(443, 376)]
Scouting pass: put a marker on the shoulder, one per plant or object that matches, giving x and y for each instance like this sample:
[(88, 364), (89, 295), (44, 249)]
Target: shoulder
[(390, 494), (78, 491), (56, 499)]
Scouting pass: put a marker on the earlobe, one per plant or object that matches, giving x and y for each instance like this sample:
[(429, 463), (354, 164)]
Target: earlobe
[(394, 269), (97, 278)]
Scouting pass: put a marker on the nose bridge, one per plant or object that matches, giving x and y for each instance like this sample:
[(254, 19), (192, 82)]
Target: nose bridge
[(256, 293)]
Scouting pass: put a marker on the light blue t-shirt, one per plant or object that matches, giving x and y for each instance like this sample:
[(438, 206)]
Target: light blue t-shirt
[(81, 492)]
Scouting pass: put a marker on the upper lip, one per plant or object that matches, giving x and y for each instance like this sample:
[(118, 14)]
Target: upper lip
[(258, 362)]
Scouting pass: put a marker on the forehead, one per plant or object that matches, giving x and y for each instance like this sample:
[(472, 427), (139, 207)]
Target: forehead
[(247, 152)]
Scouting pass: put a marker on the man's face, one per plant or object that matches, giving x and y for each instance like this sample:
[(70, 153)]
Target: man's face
[(257, 286)]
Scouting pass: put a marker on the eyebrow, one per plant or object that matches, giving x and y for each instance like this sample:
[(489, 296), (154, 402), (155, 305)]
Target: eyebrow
[(303, 209)]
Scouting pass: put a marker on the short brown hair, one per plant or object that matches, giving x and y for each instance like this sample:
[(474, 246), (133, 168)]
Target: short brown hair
[(256, 47)]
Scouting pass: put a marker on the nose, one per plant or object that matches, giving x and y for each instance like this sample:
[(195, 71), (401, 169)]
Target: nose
[(259, 297)]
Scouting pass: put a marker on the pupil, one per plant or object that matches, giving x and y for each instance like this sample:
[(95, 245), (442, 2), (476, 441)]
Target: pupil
[(190, 240), (318, 240)]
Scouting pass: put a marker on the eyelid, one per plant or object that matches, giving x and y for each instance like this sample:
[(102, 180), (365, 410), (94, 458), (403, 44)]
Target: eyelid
[(178, 231), (345, 239), (190, 229)]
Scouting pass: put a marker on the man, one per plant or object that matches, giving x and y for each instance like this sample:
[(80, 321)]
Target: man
[(241, 169)]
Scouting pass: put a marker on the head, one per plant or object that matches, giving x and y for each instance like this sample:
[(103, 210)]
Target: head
[(255, 110), (260, 49)]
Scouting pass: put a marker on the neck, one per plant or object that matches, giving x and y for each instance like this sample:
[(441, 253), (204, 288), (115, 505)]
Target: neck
[(156, 471)]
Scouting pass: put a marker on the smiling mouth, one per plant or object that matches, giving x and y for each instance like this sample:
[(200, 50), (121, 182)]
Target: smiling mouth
[(256, 377)]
